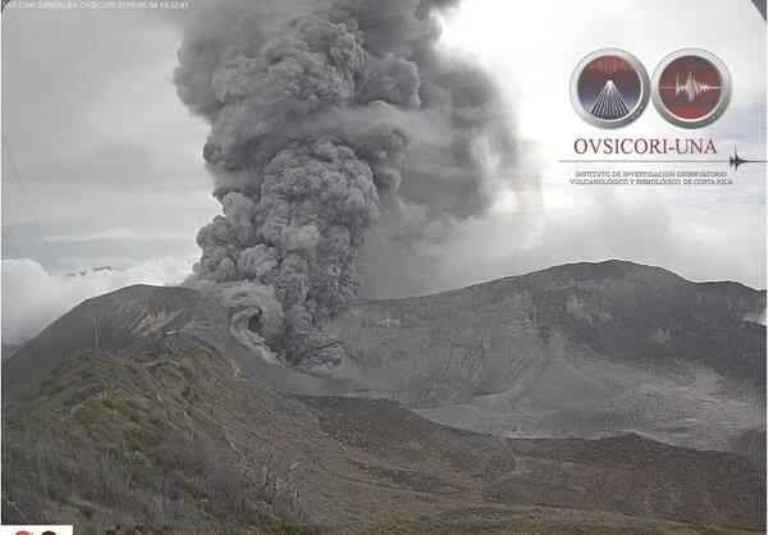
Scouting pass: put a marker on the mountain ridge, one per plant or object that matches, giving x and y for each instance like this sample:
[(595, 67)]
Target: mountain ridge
[(467, 411), (583, 349), (616, 264)]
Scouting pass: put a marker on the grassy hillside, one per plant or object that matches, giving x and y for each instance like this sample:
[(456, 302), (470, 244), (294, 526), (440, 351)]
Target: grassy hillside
[(177, 442)]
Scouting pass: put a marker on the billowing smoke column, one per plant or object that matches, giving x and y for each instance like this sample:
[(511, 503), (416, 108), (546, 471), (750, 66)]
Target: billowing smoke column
[(317, 109)]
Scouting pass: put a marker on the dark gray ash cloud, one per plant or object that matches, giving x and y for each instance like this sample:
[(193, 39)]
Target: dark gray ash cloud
[(326, 118)]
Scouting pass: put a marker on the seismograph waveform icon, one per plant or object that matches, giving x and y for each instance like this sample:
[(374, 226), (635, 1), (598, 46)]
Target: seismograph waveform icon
[(691, 88), (609, 103)]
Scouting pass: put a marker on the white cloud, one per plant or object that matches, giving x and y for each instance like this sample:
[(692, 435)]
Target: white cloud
[(33, 297), (118, 233), (704, 233)]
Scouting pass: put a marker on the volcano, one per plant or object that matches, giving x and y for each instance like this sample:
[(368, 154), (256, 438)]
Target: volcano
[(609, 103), (610, 397)]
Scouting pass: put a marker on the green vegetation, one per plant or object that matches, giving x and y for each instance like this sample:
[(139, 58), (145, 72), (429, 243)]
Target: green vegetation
[(171, 442), (94, 443)]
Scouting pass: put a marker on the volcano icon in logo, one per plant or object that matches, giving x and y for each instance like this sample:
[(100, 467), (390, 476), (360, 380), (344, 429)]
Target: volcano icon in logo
[(609, 88), (691, 88), (609, 104)]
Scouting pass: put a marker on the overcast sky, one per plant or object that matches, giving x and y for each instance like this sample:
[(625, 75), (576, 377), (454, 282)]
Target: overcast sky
[(102, 165), (703, 233), (101, 161)]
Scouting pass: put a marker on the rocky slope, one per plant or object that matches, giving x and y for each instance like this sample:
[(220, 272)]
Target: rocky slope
[(139, 407), (120, 323), (575, 350), (176, 441)]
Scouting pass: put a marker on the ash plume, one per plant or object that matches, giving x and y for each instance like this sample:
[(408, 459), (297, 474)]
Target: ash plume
[(326, 117)]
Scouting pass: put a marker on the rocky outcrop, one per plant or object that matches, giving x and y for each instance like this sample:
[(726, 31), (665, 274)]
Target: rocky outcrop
[(576, 350)]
